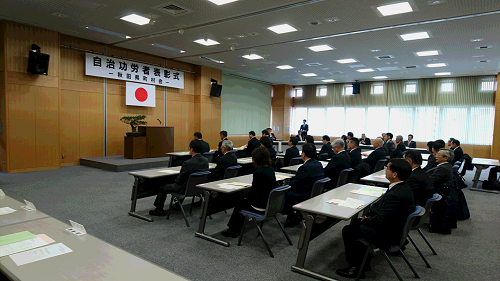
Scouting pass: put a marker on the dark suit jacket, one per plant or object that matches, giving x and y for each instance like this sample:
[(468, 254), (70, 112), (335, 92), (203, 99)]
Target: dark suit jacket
[(218, 153), (412, 144), (327, 148), (223, 162), (273, 137), (302, 184), (365, 141), (205, 147), (384, 223), (339, 162), (305, 129), (263, 182), (422, 185), (374, 157), (391, 147), (197, 163), (441, 174), (355, 155), (398, 153), (459, 154), (290, 153), (253, 143), (272, 152), (431, 163)]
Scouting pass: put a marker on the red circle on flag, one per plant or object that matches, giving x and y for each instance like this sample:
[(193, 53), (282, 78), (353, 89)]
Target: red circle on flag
[(141, 94)]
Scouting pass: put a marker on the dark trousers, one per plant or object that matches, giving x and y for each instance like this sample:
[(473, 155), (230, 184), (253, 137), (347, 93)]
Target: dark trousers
[(237, 219), (354, 250), (493, 173), (163, 192)]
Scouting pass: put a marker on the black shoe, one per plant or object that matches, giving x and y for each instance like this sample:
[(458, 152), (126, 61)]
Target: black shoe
[(350, 272), (157, 212), (292, 220), (230, 233)]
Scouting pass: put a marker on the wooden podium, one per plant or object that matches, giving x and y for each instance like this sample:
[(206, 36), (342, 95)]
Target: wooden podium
[(155, 142)]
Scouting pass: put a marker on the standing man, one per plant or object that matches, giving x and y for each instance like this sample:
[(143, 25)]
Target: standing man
[(376, 155), (253, 143), (457, 150), (364, 140), (354, 152), (223, 137), (304, 128), (340, 161), (205, 147), (410, 143), (270, 131)]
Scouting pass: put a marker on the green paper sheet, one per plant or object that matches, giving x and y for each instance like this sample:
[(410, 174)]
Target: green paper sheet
[(16, 237)]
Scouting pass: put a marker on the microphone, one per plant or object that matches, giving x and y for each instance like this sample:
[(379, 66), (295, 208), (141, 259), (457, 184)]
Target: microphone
[(159, 121)]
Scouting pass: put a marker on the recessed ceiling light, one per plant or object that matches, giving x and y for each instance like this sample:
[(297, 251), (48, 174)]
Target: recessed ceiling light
[(328, 80), (228, 38), (320, 48), (477, 40), (241, 35), (442, 73), (252, 57), (437, 64), (107, 32), (375, 50), (284, 66), (168, 48), (133, 18), (282, 28), (346, 61), (414, 36), (379, 77), (435, 2), (222, 2), (300, 59), (309, 74), (427, 53), (365, 70), (394, 9), (207, 42)]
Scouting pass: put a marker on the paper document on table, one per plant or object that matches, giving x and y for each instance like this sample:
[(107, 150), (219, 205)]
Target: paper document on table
[(168, 171), (282, 177), (229, 186), (238, 183), (349, 203), (40, 254), (245, 160), (379, 177), (6, 210), (21, 246), (16, 237), (370, 191)]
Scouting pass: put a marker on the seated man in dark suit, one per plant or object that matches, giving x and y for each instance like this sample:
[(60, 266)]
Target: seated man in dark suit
[(419, 181), (300, 136), (302, 184), (271, 134), (197, 163), (383, 225), (265, 141), (389, 143), (327, 146), (431, 161), (225, 161), (265, 133), (291, 152), (376, 155), (354, 152), (205, 147), (410, 142), (457, 151), (223, 136), (309, 139), (339, 162), (253, 143), (364, 140), (443, 171), (449, 142), (400, 148)]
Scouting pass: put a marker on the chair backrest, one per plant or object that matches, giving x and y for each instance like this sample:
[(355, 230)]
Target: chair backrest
[(419, 211), (295, 161), (319, 187), (276, 201), (380, 165), (428, 205), (195, 179), (344, 177), (231, 172), (209, 156), (455, 168), (323, 156)]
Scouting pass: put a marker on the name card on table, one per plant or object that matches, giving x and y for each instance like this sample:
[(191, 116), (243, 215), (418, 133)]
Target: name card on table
[(77, 229), (29, 206)]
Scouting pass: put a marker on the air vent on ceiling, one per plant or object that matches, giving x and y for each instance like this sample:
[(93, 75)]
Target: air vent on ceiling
[(388, 57), (314, 64), (172, 9), (356, 65), (410, 66), (314, 23), (389, 68), (484, 61), (484, 47), (87, 4)]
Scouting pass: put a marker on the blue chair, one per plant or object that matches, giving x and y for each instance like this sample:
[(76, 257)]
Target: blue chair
[(319, 187), (231, 172), (344, 177), (418, 223), (380, 165), (419, 212), (191, 190), (275, 204), (209, 156), (295, 161)]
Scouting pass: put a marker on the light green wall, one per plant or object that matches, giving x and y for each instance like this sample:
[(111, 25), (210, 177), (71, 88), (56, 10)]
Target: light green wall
[(246, 106)]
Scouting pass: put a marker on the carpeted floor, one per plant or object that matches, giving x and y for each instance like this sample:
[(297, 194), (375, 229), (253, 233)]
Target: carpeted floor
[(100, 201)]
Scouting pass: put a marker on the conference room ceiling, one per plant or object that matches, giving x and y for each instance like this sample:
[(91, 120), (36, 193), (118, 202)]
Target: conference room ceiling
[(352, 27)]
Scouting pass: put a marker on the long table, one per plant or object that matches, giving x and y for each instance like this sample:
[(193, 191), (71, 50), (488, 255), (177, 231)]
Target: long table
[(20, 215), (214, 187), (294, 168), (481, 164), (320, 216), (151, 191)]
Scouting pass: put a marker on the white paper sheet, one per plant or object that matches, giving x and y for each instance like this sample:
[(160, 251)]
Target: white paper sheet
[(21, 246), (40, 254), (6, 210), (370, 191), (349, 203), (168, 171)]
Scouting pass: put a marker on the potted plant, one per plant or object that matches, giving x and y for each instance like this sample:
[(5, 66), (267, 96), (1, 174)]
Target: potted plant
[(134, 121)]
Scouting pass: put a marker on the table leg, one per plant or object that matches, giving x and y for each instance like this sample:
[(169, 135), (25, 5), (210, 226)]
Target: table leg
[(203, 219), (132, 212), (479, 169), (279, 146)]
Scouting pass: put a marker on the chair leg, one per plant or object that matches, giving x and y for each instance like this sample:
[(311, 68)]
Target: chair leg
[(263, 239), (361, 268), (184, 214), (392, 266), (425, 239), (170, 207), (191, 208), (418, 250), (242, 230), (282, 229), (408, 263)]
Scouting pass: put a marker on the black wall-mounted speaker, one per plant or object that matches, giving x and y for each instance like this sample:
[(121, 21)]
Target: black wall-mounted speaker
[(38, 63), (216, 90), (355, 88)]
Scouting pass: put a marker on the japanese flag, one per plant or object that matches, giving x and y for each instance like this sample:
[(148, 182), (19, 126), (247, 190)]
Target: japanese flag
[(140, 95)]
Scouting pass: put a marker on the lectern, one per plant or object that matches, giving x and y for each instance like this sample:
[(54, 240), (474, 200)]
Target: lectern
[(159, 140)]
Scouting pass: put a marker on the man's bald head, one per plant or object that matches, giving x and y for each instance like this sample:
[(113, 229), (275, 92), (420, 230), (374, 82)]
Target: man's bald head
[(377, 143)]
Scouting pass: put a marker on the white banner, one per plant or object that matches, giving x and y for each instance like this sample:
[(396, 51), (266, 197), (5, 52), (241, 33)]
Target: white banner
[(140, 94), (109, 67)]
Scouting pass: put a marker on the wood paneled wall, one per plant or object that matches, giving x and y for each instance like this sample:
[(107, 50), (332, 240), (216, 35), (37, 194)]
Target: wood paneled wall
[(3, 101), (282, 110)]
